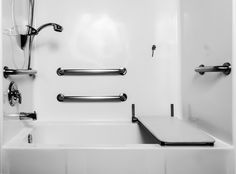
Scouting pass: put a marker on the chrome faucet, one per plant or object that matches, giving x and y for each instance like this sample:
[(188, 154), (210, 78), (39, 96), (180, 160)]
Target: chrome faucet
[(26, 116)]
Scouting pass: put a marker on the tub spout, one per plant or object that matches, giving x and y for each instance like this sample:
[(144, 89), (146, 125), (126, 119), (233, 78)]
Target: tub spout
[(23, 116), (26, 116)]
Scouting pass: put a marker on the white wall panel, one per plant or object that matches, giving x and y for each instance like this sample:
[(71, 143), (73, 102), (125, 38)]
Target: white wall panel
[(207, 39), (107, 34)]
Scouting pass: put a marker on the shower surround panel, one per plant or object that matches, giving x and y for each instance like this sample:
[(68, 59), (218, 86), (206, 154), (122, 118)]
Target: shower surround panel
[(107, 34)]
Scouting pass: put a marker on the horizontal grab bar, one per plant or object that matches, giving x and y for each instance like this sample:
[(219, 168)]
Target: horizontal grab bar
[(225, 68), (121, 98), (62, 72), (7, 72)]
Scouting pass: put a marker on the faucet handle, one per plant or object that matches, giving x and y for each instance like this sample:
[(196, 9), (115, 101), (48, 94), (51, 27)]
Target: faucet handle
[(14, 95), (18, 96)]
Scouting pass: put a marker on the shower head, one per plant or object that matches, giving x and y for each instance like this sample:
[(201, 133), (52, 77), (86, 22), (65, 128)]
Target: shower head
[(56, 27)]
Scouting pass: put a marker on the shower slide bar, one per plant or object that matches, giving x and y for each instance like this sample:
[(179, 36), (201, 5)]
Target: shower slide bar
[(121, 98), (62, 72), (7, 72), (225, 68)]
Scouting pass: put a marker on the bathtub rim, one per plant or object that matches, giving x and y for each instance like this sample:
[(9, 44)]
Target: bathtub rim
[(11, 144)]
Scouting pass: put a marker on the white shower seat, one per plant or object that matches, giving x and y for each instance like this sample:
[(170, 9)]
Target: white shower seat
[(171, 131)]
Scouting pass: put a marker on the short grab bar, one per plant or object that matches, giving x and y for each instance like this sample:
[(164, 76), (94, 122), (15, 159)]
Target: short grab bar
[(7, 72), (225, 68), (121, 98), (62, 72)]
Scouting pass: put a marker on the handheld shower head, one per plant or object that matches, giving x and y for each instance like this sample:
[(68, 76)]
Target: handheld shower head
[(56, 27)]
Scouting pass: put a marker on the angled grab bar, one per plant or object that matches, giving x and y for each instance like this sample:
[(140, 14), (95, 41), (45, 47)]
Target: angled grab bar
[(225, 68), (7, 72), (63, 72), (121, 98)]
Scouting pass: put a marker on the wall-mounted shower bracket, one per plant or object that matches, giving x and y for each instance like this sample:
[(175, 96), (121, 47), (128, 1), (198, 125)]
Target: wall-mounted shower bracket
[(7, 72), (22, 34), (31, 31)]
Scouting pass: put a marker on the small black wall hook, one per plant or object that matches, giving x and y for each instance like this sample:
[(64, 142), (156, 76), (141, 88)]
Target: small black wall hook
[(153, 50)]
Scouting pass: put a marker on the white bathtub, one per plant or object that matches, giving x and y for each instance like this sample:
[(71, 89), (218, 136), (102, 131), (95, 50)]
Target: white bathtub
[(107, 148), (83, 136)]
